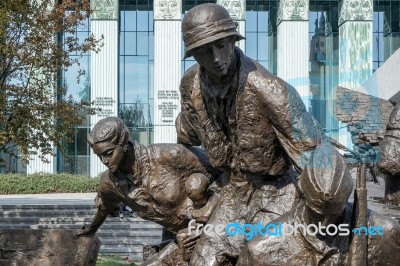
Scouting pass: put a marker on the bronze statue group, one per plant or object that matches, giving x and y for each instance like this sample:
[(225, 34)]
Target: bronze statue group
[(247, 152)]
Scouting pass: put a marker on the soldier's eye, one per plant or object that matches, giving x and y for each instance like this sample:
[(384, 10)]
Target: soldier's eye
[(108, 153)]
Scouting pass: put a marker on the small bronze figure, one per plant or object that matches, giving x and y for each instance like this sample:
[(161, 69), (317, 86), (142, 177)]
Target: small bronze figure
[(165, 183)]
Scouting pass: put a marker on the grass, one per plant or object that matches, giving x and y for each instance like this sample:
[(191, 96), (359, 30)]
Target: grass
[(47, 183)]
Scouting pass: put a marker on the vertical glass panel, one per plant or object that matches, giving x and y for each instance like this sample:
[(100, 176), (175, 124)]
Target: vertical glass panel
[(375, 66), (84, 25), (78, 87), (312, 21), (151, 79), (82, 36), (83, 165), (130, 20), (122, 79), (82, 147), (130, 43), (122, 43), (84, 80), (143, 43), (151, 21), (122, 21), (66, 37), (151, 112), (251, 21), (264, 64), (151, 45), (381, 46), (263, 46), (375, 47), (375, 22), (395, 16), (263, 21), (142, 21), (136, 79), (251, 45)]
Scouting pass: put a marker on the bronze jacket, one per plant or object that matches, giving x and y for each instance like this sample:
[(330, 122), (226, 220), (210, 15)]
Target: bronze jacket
[(271, 125)]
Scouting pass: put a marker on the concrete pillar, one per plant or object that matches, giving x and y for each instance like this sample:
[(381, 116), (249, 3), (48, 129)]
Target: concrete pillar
[(355, 49), (237, 11), (167, 68), (36, 164), (104, 68), (292, 45)]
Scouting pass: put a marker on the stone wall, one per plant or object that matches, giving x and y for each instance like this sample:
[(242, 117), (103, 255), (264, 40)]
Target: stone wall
[(47, 248), (366, 117)]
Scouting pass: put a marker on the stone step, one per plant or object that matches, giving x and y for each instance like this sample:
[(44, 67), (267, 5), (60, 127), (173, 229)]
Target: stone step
[(50, 213), (47, 207), (133, 256), (58, 219), (124, 250), (107, 241), (139, 234), (116, 226)]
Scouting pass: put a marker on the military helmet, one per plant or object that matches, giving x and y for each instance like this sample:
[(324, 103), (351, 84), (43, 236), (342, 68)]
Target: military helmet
[(207, 23), (325, 181)]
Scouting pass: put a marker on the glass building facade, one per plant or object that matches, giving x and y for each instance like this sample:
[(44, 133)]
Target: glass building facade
[(136, 63), (136, 68)]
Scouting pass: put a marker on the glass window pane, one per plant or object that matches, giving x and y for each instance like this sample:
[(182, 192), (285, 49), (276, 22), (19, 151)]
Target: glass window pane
[(381, 44), (251, 21), (142, 43), (82, 147), (375, 55), (151, 21), (142, 20), (151, 46), (70, 81), (375, 22), (122, 20), (251, 45), (84, 25), (375, 66), (263, 46), (130, 43), (151, 79), (136, 79), (122, 43), (312, 21), (263, 21), (122, 79), (130, 20)]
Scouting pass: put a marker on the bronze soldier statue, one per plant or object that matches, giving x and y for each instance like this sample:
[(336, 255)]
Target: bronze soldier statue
[(252, 125), (165, 183)]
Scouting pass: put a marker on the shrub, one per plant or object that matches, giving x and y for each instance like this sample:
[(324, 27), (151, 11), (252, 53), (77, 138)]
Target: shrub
[(47, 183)]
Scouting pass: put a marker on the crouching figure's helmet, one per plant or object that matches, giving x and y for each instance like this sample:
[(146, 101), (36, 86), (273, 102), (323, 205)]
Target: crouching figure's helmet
[(207, 23)]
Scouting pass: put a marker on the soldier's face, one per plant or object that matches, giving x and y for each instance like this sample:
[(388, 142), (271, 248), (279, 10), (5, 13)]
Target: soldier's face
[(111, 155), (216, 57)]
